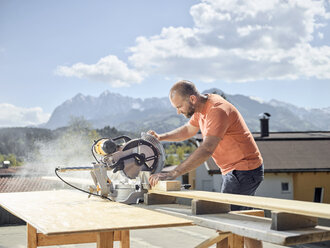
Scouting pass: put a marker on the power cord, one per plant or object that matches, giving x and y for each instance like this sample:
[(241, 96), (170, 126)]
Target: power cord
[(85, 191)]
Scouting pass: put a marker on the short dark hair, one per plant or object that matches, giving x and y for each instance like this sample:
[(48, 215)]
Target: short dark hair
[(184, 88)]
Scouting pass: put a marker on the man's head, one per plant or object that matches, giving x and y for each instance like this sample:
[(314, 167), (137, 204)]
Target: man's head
[(183, 97)]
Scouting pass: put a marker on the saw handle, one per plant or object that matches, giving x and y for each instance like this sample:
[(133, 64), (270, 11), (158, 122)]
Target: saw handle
[(64, 169), (124, 137)]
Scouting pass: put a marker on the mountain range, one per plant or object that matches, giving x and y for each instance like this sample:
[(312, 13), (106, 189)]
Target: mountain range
[(136, 115)]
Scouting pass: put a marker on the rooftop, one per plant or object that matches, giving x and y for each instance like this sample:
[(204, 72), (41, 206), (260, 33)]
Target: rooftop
[(291, 152), (25, 184), (312, 135)]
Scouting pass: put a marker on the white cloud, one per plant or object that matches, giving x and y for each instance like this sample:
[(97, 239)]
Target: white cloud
[(231, 40), (108, 69), (240, 41), (13, 116), (321, 35)]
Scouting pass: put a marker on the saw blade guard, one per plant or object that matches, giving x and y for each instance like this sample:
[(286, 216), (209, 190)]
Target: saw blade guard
[(151, 156), (132, 156)]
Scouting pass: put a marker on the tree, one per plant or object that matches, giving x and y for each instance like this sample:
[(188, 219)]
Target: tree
[(170, 160), (2, 158), (79, 125), (180, 153)]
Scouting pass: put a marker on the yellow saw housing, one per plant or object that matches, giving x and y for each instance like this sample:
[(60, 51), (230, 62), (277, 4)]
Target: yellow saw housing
[(98, 147)]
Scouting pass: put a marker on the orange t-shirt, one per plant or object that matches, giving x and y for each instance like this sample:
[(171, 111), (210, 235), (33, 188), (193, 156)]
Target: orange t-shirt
[(237, 149)]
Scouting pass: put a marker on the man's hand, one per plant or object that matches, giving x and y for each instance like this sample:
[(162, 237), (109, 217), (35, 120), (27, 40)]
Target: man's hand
[(152, 132), (153, 179)]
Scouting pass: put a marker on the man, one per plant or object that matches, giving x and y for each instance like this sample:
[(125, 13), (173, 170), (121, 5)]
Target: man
[(225, 137)]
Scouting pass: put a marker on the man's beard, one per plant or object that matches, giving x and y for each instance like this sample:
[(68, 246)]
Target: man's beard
[(190, 111)]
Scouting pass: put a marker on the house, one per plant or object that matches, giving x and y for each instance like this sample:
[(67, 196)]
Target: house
[(297, 166), (5, 164)]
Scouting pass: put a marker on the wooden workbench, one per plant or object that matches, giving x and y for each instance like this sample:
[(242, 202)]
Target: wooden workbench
[(69, 217)]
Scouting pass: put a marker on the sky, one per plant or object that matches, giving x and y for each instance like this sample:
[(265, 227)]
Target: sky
[(52, 50)]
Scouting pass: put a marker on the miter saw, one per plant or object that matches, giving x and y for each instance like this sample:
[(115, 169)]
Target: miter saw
[(122, 169)]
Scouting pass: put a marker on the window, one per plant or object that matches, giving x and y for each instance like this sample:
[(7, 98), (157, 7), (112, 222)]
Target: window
[(318, 195), (185, 178), (285, 187)]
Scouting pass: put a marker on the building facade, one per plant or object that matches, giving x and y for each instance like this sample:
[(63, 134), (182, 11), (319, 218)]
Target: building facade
[(297, 166)]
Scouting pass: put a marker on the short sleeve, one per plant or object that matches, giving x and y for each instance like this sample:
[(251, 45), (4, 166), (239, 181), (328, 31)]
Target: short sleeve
[(217, 122), (194, 120)]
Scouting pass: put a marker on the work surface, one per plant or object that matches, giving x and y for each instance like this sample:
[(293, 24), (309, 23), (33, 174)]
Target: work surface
[(248, 226), (68, 211), (320, 210)]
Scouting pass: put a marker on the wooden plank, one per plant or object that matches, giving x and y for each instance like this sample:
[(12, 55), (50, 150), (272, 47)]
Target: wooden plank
[(167, 186), (31, 236), (253, 227), (105, 239), (66, 239), (320, 210), (124, 241), (77, 238), (254, 212), (58, 212), (213, 240), (208, 207), (236, 241), (286, 221), (117, 236), (151, 199)]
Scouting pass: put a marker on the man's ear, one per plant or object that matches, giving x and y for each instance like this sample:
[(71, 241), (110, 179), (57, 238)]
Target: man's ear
[(193, 99)]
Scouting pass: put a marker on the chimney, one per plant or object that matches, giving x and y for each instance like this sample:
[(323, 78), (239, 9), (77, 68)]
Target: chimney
[(264, 124)]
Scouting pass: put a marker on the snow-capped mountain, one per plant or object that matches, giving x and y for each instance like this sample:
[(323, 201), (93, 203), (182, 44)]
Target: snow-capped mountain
[(135, 114)]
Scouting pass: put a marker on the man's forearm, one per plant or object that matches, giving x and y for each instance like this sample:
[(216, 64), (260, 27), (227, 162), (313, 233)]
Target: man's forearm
[(199, 156), (178, 134)]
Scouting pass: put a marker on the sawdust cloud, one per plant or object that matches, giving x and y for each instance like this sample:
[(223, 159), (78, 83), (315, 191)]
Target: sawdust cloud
[(66, 150)]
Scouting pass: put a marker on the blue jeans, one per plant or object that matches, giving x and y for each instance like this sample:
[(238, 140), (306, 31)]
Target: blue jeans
[(242, 183)]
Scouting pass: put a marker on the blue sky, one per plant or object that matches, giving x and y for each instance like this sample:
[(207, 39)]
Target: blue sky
[(52, 50)]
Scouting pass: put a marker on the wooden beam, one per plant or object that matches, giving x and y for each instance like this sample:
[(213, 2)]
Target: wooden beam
[(66, 239), (167, 185), (286, 221), (72, 238), (253, 212), (124, 240), (235, 241), (116, 236), (208, 207), (105, 239), (151, 199), (32, 240), (213, 240)]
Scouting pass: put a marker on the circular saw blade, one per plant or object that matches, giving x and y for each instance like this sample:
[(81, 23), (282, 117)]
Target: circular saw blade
[(149, 154), (155, 142)]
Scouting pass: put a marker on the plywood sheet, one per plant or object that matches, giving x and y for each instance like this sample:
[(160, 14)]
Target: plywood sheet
[(321, 210), (68, 211)]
